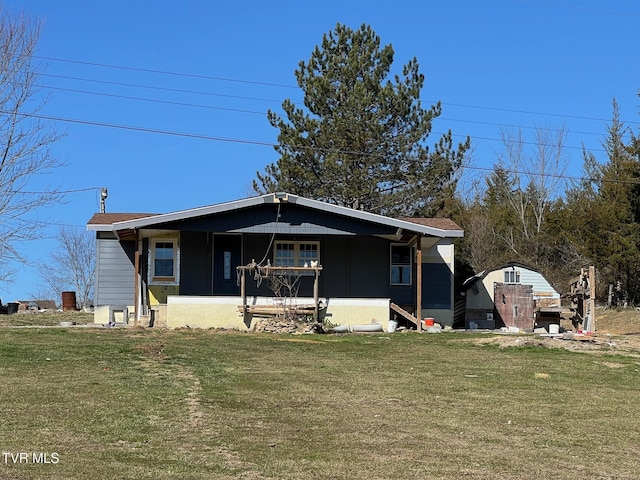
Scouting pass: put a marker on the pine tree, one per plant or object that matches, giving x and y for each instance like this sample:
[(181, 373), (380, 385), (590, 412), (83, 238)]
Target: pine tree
[(360, 140), (605, 212)]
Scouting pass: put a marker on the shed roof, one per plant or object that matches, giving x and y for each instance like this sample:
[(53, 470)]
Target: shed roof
[(469, 282)]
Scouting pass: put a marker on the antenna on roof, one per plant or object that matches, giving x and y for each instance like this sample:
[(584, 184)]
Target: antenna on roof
[(103, 198)]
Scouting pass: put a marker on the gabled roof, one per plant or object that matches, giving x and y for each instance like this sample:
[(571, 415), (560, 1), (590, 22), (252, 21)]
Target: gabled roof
[(437, 227)]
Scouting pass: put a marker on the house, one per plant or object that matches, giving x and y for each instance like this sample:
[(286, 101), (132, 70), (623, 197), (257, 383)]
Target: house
[(510, 295), (210, 266)]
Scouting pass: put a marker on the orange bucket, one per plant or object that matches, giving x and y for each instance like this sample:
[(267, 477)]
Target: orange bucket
[(428, 322)]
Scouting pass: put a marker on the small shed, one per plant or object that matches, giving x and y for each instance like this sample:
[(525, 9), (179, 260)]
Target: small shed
[(507, 296)]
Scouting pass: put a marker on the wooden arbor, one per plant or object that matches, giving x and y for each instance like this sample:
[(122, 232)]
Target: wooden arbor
[(264, 272)]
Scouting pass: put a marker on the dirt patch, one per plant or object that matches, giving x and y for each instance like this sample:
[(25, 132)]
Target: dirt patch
[(618, 322), (300, 340), (154, 351), (617, 331), (596, 344)]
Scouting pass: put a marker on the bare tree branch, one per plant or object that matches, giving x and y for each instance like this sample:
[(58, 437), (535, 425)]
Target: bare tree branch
[(24, 140), (72, 266)]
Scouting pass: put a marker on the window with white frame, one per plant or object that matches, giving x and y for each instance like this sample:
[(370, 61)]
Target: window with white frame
[(400, 265), (295, 254), (164, 253), (511, 276)]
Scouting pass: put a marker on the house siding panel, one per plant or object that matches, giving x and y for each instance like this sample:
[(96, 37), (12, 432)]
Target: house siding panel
[(288, 220), (115, 273), (357, 265), (351, 266), (436, 286), (195, 264)]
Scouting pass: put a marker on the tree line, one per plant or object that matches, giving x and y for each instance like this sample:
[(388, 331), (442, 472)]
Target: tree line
[(361, 140), (529, 211)]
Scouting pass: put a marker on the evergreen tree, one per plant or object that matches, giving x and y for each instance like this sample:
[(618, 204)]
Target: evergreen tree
[(360, 140), (609, 225)]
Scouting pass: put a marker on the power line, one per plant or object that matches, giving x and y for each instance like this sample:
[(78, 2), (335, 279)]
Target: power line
[(581, 7), (141, 129), (166, 72), (231, 140), (527, 112), (151, 87), (452, 104), (197, 105), (55, 192), (167, 102)]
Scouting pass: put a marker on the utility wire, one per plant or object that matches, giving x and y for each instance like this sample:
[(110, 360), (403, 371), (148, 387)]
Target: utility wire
[(165, 72), (236, 140), (209, 137), (580, 7), (166, 102), (264, 113), (151, 87), (139, 129), (55, 192)]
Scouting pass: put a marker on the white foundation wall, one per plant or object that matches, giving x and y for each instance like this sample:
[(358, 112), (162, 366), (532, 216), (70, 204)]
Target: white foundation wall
[(101, 314), (222, 312), (204, 312)]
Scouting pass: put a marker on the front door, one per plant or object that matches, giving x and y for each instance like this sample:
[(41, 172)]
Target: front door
[(226, 257)]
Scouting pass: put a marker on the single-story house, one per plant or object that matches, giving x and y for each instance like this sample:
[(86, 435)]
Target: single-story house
[(509, 295), (215, 266)]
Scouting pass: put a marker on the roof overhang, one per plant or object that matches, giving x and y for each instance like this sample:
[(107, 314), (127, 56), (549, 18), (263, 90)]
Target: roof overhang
[(403, 226)]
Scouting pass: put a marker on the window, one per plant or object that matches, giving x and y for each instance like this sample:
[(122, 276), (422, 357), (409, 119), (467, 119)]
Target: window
[(400, 265), (163, 262), (295, 254), (511, 276)]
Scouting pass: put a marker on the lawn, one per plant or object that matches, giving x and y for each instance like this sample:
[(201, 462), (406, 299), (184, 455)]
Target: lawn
[(191, 404)]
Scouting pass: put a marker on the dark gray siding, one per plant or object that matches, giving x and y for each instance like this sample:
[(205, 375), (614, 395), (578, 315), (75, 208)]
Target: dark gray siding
[(351, 266), (436, 286), (115, 273), (290, 219), (355, 267), (195, 264)]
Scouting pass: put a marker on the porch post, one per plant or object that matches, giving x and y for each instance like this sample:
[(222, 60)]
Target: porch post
[(592, 298), (243, 293), (315, 296), (136, 291), (419, 281)]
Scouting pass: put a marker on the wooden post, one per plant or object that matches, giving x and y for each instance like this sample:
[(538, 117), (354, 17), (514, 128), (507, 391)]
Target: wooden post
[(315, 296), (419, 282), (243, 293), (136, 290), (592, 297)]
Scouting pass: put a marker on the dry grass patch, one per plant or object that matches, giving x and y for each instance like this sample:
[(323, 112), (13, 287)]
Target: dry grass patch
[(197, 404), (45, 318)]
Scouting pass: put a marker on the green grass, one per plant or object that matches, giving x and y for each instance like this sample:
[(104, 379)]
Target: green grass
[(36, 319), (189, 404)]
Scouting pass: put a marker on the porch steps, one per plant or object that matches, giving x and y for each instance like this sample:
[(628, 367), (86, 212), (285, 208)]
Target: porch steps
[(401, 311)]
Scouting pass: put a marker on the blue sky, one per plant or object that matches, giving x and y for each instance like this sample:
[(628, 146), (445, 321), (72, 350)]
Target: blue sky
[(493, 64)]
